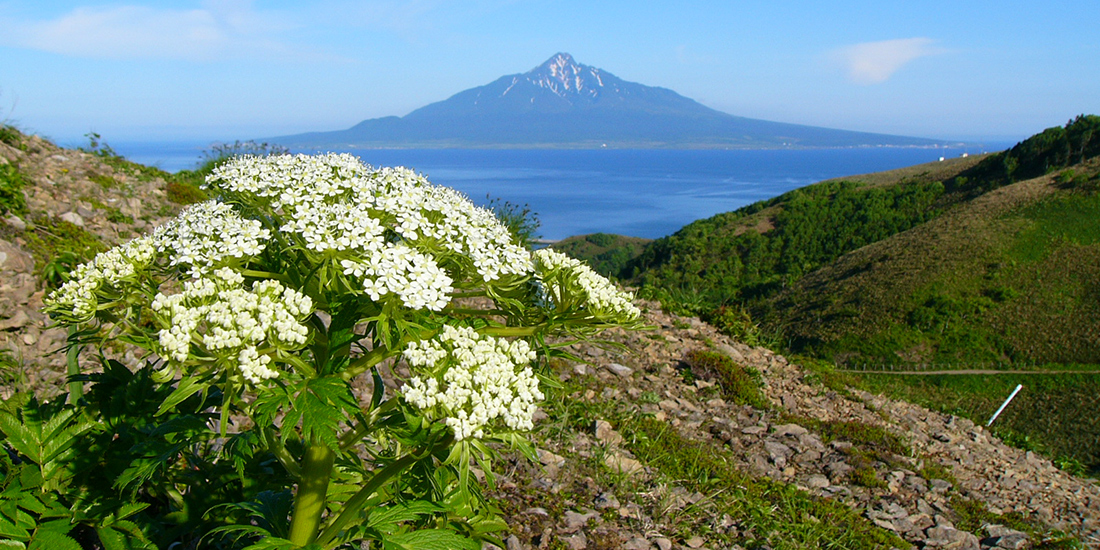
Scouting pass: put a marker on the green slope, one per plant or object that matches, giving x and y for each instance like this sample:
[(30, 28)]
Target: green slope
[(991, 259), (607, 254)]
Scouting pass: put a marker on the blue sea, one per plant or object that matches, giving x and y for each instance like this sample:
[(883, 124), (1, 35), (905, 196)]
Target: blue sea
[(642, 193)]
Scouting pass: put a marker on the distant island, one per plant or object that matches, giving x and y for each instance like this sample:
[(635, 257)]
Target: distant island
[(564, 104)]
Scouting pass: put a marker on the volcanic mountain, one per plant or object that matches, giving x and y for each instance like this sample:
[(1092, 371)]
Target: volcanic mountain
[(562, 103)]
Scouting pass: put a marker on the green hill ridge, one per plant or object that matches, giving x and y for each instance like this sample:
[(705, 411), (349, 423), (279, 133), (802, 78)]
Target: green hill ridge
[(984, 259)]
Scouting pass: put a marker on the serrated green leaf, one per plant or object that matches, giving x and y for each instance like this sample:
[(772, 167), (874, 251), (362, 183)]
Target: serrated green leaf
[(130, 509), (12, 545), (53, 541), (55, 426), (9, 529), (268, 405), (430, 539), (58, 444), (386, 519), (24, 439), (31, 503), (61, 526), (123, 536), (321, 407)]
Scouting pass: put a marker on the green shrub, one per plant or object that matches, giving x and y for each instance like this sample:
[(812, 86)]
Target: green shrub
[(865, 476), (735, 322), (12, 183), (11, 136), (105, 181), (521, 221), (737, 382), (58, 247), (184, 193), (116, 216)]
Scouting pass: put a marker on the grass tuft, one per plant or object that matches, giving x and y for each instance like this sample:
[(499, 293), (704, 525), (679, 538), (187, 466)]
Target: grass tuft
[(738, 383)]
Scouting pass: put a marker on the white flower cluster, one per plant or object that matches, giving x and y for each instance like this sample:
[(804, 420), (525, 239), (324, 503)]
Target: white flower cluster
[(404, 272), (473, 380), (600, 294), (77, 297), (388, 226), (208, 234), (217, 314)]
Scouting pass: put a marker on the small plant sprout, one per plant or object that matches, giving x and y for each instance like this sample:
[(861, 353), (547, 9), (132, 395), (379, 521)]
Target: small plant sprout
[(307, 276)]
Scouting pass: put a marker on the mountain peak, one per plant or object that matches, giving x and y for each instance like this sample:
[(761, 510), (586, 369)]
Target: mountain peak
[(563, 76)]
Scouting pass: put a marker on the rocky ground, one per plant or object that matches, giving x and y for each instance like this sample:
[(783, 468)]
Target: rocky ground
[(588, 490), (78, 188), (767, 442)]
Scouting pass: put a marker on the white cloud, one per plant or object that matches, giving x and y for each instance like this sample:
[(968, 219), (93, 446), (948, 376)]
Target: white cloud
[(219, 29), (876, 62)]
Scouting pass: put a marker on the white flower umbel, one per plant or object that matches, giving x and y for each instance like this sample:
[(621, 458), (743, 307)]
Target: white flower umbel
[(220, 319), (77, 300), (470, 380), (209, 235), (567, 281)]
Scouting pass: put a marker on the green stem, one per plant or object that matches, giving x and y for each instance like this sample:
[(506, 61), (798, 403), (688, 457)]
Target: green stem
[(356, 502), (510, 331), (276, 448), (76, 388), (263, 275), (364, 362), (309, 502), (475, 312)]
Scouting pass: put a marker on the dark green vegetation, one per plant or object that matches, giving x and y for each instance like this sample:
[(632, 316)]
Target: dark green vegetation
[(971, 261), (101, 476), (12, 183), (607, 254)]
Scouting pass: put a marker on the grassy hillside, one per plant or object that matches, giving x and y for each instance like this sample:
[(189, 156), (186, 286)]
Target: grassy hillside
[(605, 253), (1011, 276), (979, 259)]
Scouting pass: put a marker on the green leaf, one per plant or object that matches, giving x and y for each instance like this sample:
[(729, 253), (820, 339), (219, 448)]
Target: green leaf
[(187, 386), (386, 519), (430, 539), (12, 545), (123, 536), (321, 407), (273, 508), (53, 541), (22, 438), (9, 529)]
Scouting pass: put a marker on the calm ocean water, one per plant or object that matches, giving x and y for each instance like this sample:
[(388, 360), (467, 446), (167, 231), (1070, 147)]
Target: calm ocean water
[(643, 193)]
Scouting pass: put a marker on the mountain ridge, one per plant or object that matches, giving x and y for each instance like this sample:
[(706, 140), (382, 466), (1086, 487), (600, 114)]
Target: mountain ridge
[(563, 103)]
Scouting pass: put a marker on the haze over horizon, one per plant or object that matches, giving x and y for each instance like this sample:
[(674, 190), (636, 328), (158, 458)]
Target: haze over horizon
[(238, 69)]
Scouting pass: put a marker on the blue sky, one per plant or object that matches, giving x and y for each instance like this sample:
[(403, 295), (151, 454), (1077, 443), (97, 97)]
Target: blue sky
[(240, 69)]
